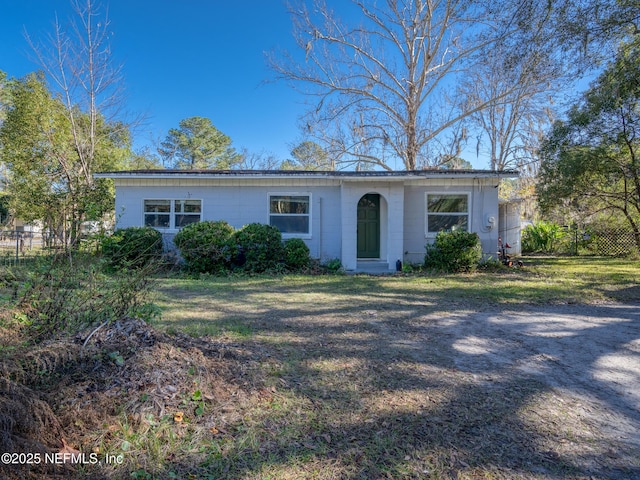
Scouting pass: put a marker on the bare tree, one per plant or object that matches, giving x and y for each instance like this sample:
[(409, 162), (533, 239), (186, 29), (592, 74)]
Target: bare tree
[(509, 130), (257, 161), (77, 61), (385, 89)]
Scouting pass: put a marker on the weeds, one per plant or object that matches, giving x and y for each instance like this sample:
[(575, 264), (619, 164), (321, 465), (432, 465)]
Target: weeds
[(62, 295)]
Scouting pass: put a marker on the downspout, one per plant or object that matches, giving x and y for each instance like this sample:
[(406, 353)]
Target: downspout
[(320, 228)]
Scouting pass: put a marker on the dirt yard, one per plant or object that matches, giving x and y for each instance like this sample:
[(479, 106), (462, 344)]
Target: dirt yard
[(585, 411)]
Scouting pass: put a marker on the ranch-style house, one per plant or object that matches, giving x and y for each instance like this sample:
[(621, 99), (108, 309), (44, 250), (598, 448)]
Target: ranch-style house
[(368, 220)]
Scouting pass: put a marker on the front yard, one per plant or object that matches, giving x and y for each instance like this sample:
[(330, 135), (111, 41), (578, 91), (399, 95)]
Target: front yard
[(524, 373), (419, 377)]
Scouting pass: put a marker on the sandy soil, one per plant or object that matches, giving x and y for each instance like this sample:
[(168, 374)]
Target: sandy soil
[(589, 356)]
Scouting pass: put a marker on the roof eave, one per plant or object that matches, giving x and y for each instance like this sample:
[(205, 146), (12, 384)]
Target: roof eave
[(272, 174)]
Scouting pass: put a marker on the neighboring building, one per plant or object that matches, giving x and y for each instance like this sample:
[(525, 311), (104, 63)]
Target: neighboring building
[(363, 218), (510, 224)]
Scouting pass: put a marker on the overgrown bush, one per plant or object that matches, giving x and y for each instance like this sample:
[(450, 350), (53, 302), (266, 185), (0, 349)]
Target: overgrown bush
[(456, 251), (132, 247), (206, 247), (542, 237), (66, 294), (296, 254), (261, 246)]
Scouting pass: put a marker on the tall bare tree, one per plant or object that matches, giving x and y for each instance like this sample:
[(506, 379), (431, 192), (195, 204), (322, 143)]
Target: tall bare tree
[(509, 130), (76, 58), (385, 85)]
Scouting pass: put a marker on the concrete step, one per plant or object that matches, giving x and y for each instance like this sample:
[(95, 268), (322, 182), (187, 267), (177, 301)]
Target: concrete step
[(373, 267)]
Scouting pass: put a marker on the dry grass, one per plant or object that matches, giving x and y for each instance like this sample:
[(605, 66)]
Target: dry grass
[(316, 378), (359, 392)]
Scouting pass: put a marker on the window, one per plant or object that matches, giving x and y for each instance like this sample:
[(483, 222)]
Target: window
[(157, 213), (171, 214), (187, 211), (290, 214), (446, 212)]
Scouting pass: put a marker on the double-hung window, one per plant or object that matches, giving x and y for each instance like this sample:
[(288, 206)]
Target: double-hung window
[(447, 212), (171, 214), (291, 214)]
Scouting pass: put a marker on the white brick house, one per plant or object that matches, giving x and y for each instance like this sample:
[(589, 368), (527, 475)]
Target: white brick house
[(362, 218)]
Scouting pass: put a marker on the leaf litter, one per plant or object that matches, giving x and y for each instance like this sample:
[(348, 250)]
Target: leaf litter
[(63, 396), (346, 396)]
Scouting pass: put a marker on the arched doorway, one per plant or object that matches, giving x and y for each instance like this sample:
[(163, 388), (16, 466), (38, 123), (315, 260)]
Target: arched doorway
[(369, 226)]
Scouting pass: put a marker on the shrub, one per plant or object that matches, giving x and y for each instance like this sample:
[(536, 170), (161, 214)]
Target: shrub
[(543, 237), (333, 266), (261, 246), (206, 247), (456, 251), (296, 254), (132, 247)]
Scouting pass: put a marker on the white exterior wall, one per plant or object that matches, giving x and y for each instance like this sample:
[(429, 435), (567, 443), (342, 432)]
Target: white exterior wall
[(483, 204), (510, 228), (485, 215), (238, 205), (334, 202)]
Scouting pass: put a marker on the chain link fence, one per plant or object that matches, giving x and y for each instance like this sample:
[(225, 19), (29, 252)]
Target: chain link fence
[(18, 245)]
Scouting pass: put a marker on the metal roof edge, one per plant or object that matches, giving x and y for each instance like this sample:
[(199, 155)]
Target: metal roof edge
[(261, 174)]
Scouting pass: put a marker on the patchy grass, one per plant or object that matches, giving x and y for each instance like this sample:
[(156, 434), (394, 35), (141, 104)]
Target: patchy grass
[(590, 279), (324, 377), (346, 395), (186, 302)]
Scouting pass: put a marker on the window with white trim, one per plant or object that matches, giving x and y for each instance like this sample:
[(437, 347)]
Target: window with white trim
[(171, 214), (447, 212), (291, 214)]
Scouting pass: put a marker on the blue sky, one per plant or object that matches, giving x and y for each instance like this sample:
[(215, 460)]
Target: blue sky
[(187, 58), (182, 59)]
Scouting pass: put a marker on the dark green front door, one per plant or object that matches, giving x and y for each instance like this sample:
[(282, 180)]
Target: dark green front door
[(369, 226)]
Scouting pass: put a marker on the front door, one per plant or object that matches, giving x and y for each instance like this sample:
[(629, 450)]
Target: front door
[(369, 226)]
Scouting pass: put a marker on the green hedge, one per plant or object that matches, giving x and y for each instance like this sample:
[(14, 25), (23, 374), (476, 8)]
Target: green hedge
[(132, 247), (206, 247), (456, 251), (261, 246), (296, 254), (216, 247)]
